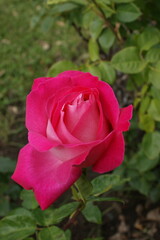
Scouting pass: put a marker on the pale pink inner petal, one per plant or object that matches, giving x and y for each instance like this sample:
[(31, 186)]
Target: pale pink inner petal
[(82, 117)]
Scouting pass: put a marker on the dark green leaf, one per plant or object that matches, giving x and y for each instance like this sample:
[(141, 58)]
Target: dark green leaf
[(122, 1), (105, 199), (93, 50), (154, 75), (128, 61), (92, 213), (84, 187), (106, 39), (94, 70), (59, 67), (128, 12), (150, 145), (17, 226), (154, 109), (107, 72), (51, 233), (96, 27), (4, 206), (148, 38), (104, 183), (6, 165), (54, 216), (153, 55), (29, 200), (142, 163)]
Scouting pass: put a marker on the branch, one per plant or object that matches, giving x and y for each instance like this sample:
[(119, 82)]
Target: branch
[(107, 23)]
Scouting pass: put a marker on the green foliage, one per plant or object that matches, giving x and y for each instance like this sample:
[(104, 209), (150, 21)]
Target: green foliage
[(51, 233), (28, 198), (54, 216), (18, 225), (127, 12), (92, 213), (7, 165), (116, 40), (128, 61)]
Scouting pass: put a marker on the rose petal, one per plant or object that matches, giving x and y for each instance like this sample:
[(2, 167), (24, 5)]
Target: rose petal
[(40, 142), (36, 104), (113, 155), (125, 116), (46, 175), (70, 73), (109, 103)]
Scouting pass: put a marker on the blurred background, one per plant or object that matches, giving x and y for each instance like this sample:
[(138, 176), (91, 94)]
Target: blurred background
[(117, 40)]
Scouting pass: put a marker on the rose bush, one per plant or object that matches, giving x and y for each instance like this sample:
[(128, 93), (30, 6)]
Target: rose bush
[(74, 121)]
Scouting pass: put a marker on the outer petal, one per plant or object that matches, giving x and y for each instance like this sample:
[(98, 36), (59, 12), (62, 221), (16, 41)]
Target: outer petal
[(38, 81), (125, 116), (36, 109), (48, 176), (40, 142), (109, 103), (113, 155), (70, 73)]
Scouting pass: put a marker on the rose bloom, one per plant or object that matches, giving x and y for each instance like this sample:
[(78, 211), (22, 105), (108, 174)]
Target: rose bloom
[(74, 121)]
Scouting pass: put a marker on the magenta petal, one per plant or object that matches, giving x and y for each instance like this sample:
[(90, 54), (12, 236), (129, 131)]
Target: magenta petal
[(48, 176), (38, 81), (113, 156), (125, 116), (70, 73), (109, 103), (40, 142)]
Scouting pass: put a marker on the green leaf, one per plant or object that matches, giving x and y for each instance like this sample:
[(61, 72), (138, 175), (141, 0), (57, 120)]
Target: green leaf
[(106, 39), (144, 105), (128, 60), (17, 226), (96, 27), (104, 183), (94, 70), (154, 109), (29, 200), (108, 11), (150, 145), (92, 213), (146, 123), (64, 8), (105, 199), (7, 165), (148, 38), (153, 55), (97, 238), (142, 163), (128, 12), (54, 216), (51, 233), (68, 234), (141, 184), (59, 67), (29, 239), (154, 75), (93, 50), (4, 206), (51, 2), (107, 71), (84, 187), (122, 1)]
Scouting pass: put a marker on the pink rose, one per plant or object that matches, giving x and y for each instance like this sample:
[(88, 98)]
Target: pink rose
[(74, 121)]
